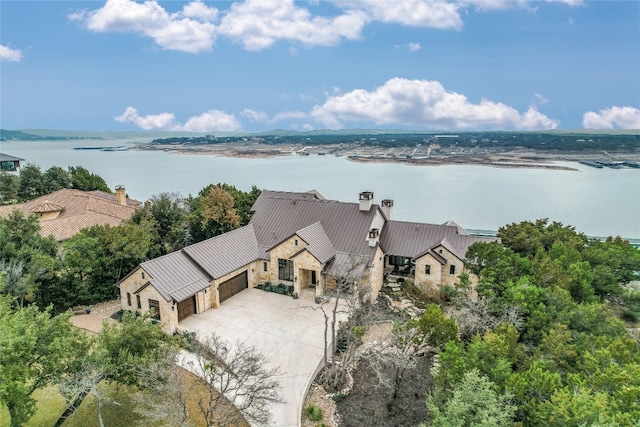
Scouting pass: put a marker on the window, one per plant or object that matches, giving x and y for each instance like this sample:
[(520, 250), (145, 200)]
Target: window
[(452, 269), (143, 274), (138, 301), (285, 269), (128, 299), (264, 266), (296, 242), (154, 306), (427, 269), (398, 260)]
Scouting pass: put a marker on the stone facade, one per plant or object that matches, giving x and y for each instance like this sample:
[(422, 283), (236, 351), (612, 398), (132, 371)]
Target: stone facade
[(129, 299)]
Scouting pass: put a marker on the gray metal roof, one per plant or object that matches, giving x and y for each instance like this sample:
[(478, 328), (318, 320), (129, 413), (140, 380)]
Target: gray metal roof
[(344, 224), (318, 244), (173, 272), (8, 158), (288, 195), (223, 254), (412, 239)]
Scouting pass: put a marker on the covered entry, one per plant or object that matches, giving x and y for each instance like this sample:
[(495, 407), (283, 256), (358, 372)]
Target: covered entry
[(236, 284), (186, 308)]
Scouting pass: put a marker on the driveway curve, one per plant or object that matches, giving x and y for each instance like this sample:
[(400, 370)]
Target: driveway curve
[(288, 332)]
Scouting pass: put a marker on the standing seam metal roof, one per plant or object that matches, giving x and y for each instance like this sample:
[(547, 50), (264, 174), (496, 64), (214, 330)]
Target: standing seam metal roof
[(318, 243), (225, 253), (412, 239), (173, 272)]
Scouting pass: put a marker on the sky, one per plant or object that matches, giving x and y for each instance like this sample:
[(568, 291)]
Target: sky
[(259, 65)]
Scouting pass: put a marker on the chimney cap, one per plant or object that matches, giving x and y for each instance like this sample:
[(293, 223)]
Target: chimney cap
[(387, 203), (366, 195), (120, 187)]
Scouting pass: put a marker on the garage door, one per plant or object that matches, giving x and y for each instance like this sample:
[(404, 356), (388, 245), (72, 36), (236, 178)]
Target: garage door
[(233, 286), (186, 308)]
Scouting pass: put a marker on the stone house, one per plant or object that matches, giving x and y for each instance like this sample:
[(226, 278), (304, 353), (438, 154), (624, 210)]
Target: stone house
[(301, 240)]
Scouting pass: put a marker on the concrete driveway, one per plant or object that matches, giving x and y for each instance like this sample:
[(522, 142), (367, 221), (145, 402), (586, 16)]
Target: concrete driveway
[(288, 332)]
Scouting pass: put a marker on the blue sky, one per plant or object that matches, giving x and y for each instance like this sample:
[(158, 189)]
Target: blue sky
[(257, 65)]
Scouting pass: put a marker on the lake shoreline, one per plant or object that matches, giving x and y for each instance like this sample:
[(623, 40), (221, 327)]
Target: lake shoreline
[(498, 158)]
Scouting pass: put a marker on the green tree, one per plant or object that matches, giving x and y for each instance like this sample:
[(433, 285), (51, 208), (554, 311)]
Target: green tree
[(9, 185), (218, 209), (55, 178), (82, 179), (36, 348), (473, 402), (169, 211), (31, 182), (97, 257)]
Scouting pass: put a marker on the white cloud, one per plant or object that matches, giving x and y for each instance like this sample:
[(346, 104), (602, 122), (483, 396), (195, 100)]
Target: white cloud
[(258, 24), (255, 116), (189, 30), (572, 3), (152, 121), (212, 120), (416, 13), (540, 99), (414, 47), (424, 104), (11, 55), (614, 117)]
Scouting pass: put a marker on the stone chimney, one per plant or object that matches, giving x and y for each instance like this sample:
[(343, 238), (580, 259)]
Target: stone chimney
[(366, 200), (387, 208), (121, 195), (374, 236)]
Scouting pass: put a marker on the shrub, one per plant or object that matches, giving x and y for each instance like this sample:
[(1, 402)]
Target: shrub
[(338, 397), (312, 412), (630, 316)]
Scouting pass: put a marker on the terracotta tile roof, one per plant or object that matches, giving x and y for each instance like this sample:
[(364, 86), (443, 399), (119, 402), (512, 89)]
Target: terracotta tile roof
[(79, 209)]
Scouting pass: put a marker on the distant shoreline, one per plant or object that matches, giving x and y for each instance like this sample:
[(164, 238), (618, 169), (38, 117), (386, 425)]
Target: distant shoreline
[(513, 158)]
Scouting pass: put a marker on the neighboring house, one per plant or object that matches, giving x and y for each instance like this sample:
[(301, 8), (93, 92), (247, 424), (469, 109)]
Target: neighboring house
[(9, 163), (65, 212), (299, 239)]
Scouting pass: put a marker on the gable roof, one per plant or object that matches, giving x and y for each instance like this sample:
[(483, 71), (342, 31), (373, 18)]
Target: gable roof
[(289, 195), (318, 243), (79, 209), (412, 239), (225, 253), (343, 223), (175, 276)]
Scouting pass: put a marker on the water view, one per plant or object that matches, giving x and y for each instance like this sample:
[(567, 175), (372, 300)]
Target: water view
[(598, 202)]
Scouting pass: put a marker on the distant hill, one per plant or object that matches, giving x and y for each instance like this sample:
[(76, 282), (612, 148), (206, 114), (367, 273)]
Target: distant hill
[(17, 135)]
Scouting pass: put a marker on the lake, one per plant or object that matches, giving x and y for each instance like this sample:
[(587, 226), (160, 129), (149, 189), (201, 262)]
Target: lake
[(598, 202)]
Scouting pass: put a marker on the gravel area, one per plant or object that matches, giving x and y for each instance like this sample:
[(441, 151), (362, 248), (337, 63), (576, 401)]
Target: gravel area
[(319, 397), (99, 313)]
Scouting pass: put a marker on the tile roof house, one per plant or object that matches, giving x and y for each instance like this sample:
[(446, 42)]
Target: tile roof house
[(65, 212), (303, 240)]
